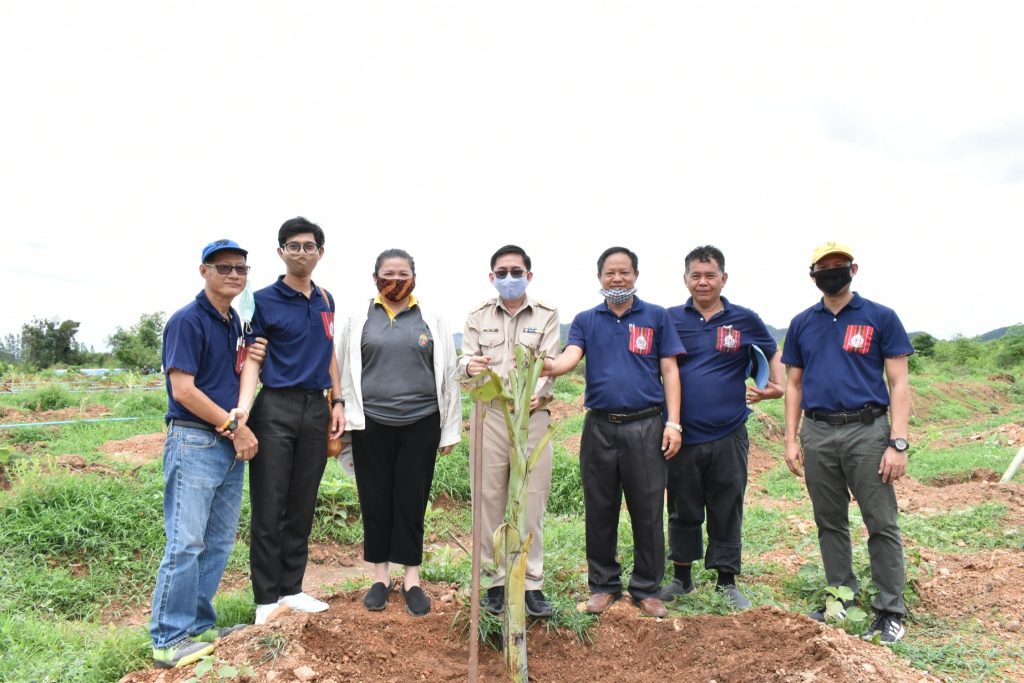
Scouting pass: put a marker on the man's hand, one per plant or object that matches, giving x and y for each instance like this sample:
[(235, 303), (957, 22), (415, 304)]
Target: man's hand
[(246, 444), (671, 441), (445, 450), (794, 456), (893, 465), (240, 417), (337, 421), (772, 390), (477, 364), (257, 350)]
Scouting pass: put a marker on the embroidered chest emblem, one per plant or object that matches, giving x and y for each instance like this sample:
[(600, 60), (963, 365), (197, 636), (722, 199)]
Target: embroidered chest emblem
[(727, 339), (641, 339), (423, 341), (858, 338)]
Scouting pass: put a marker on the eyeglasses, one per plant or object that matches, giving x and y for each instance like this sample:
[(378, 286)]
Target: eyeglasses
[(296, 247), (515, 272), (226, 268)]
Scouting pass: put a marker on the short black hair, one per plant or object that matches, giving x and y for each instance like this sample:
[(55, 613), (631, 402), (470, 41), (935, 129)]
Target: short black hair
[(617, 250), (512, 249), (704, 254), (394, 253), (297, 226)]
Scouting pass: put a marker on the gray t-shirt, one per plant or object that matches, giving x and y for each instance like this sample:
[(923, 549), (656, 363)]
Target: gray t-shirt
[(398, 367)]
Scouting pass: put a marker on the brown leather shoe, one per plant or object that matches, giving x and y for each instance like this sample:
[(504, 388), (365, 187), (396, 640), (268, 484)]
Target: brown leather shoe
[(651, 607), (600, 602)]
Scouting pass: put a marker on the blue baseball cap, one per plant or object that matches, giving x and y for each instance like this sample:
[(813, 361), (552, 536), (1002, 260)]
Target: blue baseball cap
[(757, 367), (221, 245)]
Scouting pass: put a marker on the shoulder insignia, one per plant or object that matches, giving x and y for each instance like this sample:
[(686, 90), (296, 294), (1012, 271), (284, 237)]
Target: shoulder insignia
[(543, 304), (482, 305)]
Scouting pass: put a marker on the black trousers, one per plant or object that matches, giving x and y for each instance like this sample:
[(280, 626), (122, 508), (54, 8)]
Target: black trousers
[(394, 471), (711, 476), (291, 425), (617, 459)]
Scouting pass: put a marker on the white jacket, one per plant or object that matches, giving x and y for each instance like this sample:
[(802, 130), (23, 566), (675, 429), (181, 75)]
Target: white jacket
[(446, 379)]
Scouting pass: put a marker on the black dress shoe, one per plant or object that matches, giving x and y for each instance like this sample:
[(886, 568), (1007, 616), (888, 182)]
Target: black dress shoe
[(537, 605), (494, 601)]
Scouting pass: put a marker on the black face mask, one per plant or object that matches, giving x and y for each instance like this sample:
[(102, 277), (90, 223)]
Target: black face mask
[(831, 280)]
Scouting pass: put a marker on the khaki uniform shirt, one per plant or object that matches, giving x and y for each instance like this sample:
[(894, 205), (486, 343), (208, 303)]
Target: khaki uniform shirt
[(492, 331)]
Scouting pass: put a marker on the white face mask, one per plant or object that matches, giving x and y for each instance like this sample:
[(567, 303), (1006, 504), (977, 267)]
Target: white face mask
[(246, 307), (511, 288), (617, 296)]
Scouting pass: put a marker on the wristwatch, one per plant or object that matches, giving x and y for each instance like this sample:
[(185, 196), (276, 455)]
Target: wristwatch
[(900, 444), (675, 425), (338, 401)]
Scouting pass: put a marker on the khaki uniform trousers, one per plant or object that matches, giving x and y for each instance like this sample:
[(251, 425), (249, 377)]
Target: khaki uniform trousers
[(494, 491)]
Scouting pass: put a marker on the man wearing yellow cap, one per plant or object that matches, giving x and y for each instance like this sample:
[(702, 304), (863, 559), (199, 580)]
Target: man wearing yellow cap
[(840, 354)]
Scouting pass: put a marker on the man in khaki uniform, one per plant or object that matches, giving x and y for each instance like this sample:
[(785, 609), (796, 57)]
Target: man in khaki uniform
[(492, 331)]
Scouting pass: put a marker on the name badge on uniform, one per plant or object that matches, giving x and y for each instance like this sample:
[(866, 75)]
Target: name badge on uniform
[(728, 339), (858, 338), (531, 330), (328, 319), (641, 339)]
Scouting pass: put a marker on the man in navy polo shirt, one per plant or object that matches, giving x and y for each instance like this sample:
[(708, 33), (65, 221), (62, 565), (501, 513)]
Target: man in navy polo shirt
[(204, 458), (632, 379), (854, 432), (710, 471), (291, 419)]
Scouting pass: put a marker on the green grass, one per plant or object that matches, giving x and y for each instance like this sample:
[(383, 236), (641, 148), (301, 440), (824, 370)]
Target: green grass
[(969, 530), (957, 464), (780, 483), (960, 650)]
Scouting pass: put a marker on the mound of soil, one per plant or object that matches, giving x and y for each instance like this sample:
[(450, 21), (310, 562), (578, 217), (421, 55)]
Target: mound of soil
[(10, 415), (347, 643), (914, 496), (138, 449), (983, 586)]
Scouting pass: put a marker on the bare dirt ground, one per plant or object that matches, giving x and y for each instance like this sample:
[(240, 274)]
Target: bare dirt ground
[(137, 450), (9, 415), (348, 643)]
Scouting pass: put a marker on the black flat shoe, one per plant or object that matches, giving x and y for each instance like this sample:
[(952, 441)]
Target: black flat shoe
[(494, 601), (537, 605), (416, 601), (377, 597)]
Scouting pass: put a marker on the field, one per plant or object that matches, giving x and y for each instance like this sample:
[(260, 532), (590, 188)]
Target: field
[(81, 535)]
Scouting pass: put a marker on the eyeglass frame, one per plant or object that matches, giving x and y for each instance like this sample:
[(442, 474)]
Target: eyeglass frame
[(231, 267), (501, 274), (300, 247)]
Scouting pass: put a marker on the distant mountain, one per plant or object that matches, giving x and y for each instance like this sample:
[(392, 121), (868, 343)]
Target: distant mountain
[(1001, 331)]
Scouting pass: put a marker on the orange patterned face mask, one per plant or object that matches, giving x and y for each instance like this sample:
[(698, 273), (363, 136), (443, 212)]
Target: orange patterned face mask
[(395, 289)]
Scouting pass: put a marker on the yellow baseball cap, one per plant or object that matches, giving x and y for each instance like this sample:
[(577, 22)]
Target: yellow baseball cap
[(823, 250)]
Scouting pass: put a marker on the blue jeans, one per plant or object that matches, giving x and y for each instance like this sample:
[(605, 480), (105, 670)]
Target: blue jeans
[(202, 500)]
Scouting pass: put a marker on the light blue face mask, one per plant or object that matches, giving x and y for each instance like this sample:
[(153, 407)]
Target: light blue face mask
[(247, 307), (511, 288)]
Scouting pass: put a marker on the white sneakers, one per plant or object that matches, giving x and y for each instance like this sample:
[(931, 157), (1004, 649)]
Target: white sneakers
[(263, 612), (302, 602)]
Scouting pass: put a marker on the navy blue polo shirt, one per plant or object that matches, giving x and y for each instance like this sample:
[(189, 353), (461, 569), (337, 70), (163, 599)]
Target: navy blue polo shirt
[(714, 369), (623, 370), (199, 341), (843, 356), (300, 337)]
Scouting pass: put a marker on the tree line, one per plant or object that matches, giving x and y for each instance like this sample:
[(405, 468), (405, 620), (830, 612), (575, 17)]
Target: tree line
[(46, 343), (50, 343)]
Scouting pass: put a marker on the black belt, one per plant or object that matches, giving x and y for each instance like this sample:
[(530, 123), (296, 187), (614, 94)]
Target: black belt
[(191, 425), (297, 390), (867, 415), (619, 418)]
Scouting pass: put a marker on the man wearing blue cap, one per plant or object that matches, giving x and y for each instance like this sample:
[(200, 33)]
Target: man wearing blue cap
[(710, 472), (205, 452), (854, 434), (291, 418)]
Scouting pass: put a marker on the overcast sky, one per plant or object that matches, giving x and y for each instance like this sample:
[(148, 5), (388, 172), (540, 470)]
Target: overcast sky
[(133, 133)]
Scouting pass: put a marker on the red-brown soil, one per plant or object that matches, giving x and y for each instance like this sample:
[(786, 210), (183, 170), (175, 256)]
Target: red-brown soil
[(9, 415), (985, 586), (137, 450), (914, 496), (349, 644)]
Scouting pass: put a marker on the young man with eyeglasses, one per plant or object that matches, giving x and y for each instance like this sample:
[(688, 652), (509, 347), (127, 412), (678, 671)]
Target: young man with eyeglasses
[(291, 418), (853, 438), (205, 452), (491, 334)]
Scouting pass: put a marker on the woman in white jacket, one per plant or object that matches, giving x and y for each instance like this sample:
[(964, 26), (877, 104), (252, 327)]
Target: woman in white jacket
[(401, 389)]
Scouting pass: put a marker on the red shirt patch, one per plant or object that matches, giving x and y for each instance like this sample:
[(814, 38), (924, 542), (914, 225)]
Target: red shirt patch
[(728, 340), (858, 338), (641, 339)]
